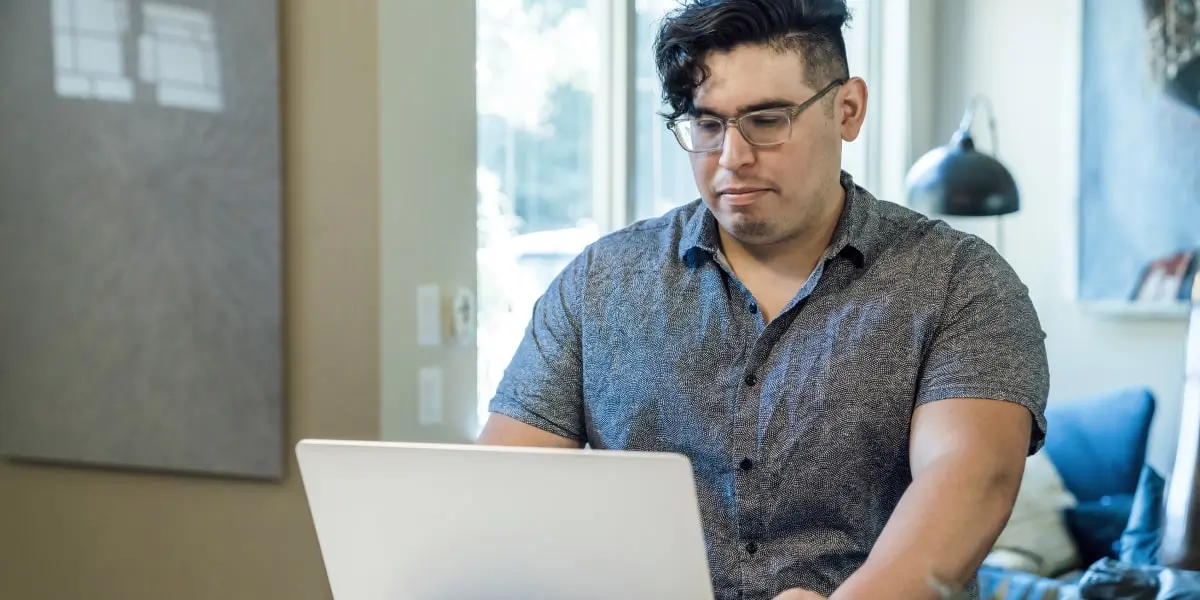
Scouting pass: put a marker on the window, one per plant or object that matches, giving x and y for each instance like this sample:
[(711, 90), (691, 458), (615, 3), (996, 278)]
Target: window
[(571, 145), (538, 68)]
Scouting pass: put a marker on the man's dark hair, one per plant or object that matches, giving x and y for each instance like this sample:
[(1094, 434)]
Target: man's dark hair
[(698, 27)]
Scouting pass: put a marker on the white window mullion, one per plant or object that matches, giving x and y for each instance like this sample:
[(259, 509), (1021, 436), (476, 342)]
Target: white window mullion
[(603, 125), (613, 126), (625, 148), (874, 130), (894, 82), (879, 51)]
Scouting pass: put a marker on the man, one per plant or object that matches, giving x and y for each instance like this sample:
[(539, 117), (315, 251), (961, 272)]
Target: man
[(856, 386)]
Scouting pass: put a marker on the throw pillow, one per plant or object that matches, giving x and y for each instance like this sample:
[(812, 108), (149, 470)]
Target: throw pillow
[(1036, 538), (1096, 526)]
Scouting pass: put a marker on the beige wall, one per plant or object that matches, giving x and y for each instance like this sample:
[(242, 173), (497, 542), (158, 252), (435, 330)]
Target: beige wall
[(102, 535)]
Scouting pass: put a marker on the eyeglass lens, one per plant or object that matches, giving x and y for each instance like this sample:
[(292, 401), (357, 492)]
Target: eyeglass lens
[(759, 128)]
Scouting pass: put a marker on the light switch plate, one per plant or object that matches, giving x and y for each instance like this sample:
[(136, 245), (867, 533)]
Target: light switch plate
[(429, 315)]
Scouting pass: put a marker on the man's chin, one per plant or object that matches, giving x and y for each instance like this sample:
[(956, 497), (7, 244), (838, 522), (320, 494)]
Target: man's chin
[(748, 230)]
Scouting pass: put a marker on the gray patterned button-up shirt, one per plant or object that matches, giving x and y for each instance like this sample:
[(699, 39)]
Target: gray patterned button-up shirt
[(797, 429)]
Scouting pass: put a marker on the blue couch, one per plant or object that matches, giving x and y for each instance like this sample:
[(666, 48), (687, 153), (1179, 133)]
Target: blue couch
[(1098, 445)]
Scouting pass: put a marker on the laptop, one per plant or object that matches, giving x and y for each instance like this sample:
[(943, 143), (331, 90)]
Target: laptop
[(407, 521)]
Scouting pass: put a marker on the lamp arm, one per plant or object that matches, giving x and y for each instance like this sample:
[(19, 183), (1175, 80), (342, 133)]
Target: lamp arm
[(964, 127)]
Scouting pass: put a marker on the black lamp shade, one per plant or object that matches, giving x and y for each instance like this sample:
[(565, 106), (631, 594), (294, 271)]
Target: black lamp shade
[(958, 180)]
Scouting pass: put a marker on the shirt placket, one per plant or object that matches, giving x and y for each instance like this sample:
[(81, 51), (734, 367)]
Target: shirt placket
[(753, 477), (747, 482), (748, 531)]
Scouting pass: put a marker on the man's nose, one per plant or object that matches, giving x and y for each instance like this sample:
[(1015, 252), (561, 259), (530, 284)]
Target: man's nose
[(736, 151)]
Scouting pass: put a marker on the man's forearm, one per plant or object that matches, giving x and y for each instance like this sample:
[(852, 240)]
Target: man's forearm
[(943, 527)]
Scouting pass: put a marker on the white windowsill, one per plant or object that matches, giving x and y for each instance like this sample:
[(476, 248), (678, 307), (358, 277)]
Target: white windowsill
[(1137, 310)]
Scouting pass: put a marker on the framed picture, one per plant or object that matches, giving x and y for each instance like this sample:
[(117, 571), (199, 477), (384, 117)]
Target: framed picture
[(1139, 205), (140, 217)]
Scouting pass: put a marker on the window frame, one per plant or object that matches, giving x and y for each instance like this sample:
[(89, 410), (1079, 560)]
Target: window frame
[(615, 132)]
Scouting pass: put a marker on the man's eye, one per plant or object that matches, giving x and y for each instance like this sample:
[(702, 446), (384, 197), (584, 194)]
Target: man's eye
[(767, 120)]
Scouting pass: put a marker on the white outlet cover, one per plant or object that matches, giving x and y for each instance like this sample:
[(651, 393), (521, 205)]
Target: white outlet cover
[(430, 409)]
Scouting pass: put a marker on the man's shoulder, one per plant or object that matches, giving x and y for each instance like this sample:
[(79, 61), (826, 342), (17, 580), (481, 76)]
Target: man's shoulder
[(947, 261), (646, 244), (914, 236)]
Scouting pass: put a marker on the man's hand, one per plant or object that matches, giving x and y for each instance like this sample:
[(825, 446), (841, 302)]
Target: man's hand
[(799, 594)]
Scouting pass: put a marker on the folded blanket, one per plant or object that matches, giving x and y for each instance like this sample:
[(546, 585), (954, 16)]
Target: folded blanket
[(1002, 584), (1108, 578), (1105, 580)]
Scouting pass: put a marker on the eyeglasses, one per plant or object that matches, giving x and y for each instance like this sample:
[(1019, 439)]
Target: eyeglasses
[(767, 127)]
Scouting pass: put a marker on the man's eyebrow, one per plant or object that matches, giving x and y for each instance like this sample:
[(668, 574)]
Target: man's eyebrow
[(704, 111)]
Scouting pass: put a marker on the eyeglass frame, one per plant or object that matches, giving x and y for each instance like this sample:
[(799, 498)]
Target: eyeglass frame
[(791, 112)]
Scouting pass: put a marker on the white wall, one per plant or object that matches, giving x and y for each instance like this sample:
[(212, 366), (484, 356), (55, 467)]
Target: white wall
[(427, 207), (1024, 56)]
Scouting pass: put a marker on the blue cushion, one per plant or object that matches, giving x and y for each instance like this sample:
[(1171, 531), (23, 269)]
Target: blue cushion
[(1098, 443), (1097, 525)]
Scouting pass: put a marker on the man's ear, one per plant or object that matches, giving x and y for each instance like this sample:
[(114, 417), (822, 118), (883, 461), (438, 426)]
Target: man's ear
[(852, 107)]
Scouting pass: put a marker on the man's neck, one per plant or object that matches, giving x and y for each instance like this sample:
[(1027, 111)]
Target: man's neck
[(793, 258)]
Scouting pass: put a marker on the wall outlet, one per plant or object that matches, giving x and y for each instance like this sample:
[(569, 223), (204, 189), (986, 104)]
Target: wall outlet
[(430, 408)]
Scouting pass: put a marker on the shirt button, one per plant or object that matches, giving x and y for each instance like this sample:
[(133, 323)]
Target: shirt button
[(753, 308), (746, 464), (751, 548), (751, 380)]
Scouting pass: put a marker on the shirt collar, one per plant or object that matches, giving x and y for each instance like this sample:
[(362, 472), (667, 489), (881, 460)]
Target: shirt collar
[(855, 236), (700, 237)]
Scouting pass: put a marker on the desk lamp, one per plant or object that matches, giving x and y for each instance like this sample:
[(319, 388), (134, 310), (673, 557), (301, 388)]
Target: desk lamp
[(960, 181)]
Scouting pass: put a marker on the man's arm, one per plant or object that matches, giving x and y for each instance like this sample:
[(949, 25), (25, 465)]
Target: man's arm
[(539, 401), (967, 458), (967, 453), (502, 430)]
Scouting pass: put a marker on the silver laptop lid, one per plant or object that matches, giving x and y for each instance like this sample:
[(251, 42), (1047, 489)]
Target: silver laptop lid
[(399, 521)]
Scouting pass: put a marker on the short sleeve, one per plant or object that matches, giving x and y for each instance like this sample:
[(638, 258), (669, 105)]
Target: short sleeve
[(989, 342), (543, 384)]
